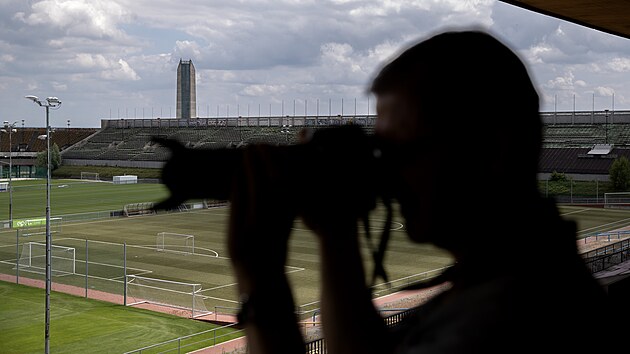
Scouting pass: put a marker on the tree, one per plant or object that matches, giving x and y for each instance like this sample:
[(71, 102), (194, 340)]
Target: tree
[(619, 173), (558, 176), (55, 158)]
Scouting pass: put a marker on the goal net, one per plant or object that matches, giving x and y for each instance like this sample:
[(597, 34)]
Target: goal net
[(178, 295), (617, 200), (136, 209), (33, 258), (90, 176), (172, 242)]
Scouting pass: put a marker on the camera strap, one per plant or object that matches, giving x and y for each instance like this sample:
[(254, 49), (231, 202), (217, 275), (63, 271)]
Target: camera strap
[(378, 255)]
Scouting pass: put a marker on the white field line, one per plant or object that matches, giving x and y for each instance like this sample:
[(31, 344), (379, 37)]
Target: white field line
[(294, 270), (604, 225), (575, 212)]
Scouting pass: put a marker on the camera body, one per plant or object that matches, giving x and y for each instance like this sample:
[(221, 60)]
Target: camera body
[(342, 162)]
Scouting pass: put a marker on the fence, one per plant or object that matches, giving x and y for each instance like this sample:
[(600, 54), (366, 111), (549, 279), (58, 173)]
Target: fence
[(575, 192), (605, 257), (106, 271), (318, 346), (191, 342), (606, 236), (99, 215), (381, 289), (98, 267)]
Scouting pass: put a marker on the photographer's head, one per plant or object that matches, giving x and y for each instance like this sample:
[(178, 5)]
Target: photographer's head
[(467, 105)]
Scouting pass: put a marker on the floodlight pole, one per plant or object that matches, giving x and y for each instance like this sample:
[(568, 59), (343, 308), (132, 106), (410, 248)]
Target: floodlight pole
[(606, 125), (48, 236), (49, 102), (10, 177), (9, 128)]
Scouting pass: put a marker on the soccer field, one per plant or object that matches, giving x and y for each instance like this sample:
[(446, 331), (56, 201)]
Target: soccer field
[(101, 263), (208, 266)]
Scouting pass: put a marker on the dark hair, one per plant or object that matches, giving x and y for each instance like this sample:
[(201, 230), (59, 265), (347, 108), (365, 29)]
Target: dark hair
[(474, 91)]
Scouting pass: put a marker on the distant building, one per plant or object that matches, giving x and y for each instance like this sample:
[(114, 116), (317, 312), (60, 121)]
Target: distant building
[(186, 90)]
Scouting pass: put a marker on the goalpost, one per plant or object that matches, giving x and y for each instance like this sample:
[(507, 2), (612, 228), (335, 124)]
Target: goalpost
[(172, 242), (179, 295), (90, 176), (617, 200), (33, 258), (137, 209)]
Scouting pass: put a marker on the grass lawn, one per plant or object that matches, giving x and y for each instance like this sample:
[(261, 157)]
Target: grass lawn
[(21, 323), (79, 325), (75, 196)]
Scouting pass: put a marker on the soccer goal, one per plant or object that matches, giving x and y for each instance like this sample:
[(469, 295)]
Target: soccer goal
[(33, 259), (178, 295), (137, 209), (617, 200), (172, 242), (90, 176)]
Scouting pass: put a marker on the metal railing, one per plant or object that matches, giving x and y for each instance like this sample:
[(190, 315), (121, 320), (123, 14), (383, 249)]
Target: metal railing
[(318, 346), (605, 257), (190, 342)]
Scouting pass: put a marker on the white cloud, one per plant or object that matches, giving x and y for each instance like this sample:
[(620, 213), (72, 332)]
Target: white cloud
[(620, 65), (87, 60), (124, 53), (261, 90), (565, 82), (604, 91), (59, 86), (91, 18), (7, 58), (187, 50), (121, 71)]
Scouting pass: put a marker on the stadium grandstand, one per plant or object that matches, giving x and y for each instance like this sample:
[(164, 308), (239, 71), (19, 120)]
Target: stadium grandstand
[(583, 144), (127, 143), (25, 143)]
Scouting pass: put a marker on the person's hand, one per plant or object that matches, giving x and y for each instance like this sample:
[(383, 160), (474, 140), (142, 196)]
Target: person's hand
[(341, 174)]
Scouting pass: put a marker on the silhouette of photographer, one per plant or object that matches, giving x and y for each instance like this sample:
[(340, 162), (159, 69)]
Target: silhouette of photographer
[(462, 115)]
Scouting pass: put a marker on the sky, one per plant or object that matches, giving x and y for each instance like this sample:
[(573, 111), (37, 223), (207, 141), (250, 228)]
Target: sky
[(118, 58)]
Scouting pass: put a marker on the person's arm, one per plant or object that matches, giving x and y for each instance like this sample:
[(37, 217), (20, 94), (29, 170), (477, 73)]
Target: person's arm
[(260, 224), (269, 317), (351, 322)]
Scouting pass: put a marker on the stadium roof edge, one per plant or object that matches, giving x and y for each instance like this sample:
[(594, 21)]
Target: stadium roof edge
[(610, 16)]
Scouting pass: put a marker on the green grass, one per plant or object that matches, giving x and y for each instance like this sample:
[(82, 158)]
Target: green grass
[(592, 220), (75, 196), (105, 257), (213, 273), (83, 326)]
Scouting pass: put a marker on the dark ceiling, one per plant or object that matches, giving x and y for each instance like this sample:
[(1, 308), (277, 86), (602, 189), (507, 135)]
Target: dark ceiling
[(610, 16)]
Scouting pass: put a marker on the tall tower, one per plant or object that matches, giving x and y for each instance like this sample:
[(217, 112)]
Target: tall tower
[(186, 90)]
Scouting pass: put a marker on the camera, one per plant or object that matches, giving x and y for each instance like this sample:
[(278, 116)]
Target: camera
[(341, 159), (336, 170)]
